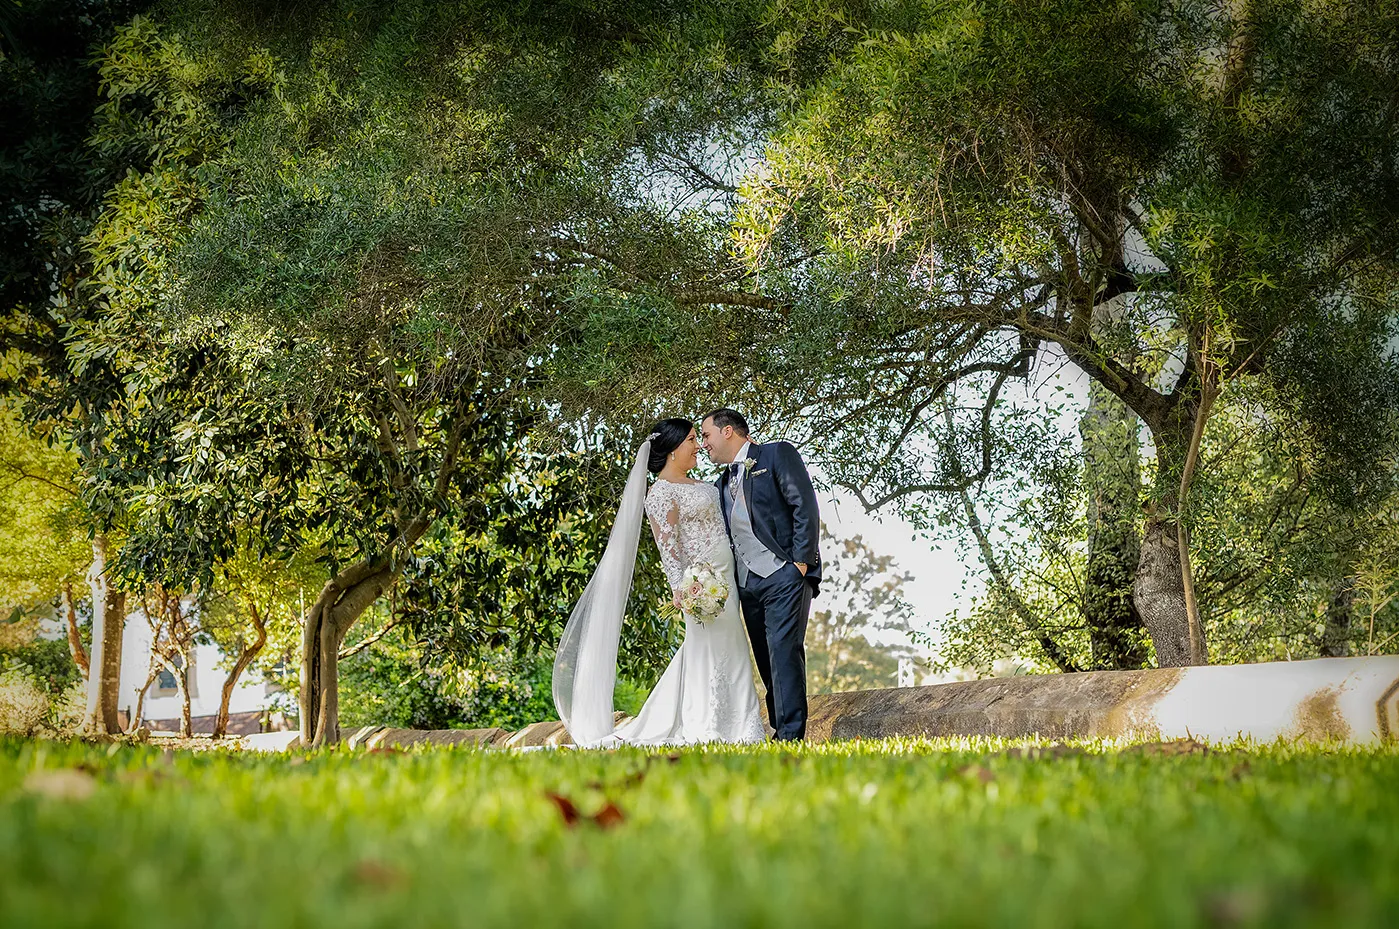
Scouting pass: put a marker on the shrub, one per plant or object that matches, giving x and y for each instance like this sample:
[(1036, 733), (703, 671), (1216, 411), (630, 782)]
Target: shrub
[(385, 687), (512, 692), (24, 706), (66, 710), (47, 661)]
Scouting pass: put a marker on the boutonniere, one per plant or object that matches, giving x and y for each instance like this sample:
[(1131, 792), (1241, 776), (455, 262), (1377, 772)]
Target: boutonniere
[(748, 465)]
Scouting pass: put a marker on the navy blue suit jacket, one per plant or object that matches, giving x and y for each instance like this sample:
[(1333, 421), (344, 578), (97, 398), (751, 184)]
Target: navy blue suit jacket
[(782, 504)]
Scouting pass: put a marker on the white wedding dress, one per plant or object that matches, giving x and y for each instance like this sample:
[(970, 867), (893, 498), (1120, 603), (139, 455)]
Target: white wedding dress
[(706, 693)]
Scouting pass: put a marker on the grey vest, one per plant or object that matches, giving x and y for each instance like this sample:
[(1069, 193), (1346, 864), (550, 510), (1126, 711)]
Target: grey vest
[(752, 554)]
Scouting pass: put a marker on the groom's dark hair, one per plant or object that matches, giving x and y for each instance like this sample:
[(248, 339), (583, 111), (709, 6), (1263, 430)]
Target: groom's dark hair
[(726, 417)]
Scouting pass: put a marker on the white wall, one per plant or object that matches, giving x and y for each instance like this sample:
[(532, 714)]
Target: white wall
[(206, 688)]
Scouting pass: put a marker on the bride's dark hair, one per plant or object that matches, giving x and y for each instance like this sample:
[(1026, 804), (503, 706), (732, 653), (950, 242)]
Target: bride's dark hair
[(666, 437)]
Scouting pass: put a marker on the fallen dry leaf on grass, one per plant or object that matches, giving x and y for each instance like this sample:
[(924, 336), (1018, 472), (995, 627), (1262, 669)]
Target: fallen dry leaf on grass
[(378, 874), (609, 816), (61, 783), (566, 809), (983, 774)]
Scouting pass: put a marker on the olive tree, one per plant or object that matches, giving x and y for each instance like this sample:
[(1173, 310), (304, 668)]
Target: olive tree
[(1171, 196)]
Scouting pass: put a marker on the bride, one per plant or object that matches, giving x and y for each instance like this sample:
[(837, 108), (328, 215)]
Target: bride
[(706, 693)]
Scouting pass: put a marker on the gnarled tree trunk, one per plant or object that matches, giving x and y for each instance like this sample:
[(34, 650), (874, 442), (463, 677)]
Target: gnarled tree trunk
[(341, 603), (108, 626), (1159, 586), (182, 685), (348, 594), (137, 717), (1160, 592)]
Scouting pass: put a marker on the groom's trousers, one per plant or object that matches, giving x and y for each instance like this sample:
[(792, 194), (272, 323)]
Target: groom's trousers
[(775, 610)]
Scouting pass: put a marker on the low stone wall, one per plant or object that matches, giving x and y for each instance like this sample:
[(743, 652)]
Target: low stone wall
[(550, 733), (1350, 700), (1353, 700)]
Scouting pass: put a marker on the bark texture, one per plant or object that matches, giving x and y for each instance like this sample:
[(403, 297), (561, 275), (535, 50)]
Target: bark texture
[(1160, 594), (341, 603), (1160, 584), (108, 625), (75, 641)]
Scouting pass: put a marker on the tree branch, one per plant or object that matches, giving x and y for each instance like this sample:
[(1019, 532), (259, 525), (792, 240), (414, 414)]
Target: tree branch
[(367, 641), (702, 174), (998, 576), (963, 482), (22, 475)]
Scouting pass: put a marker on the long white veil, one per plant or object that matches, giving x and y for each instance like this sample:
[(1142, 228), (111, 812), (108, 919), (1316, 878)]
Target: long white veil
[(585, 667)]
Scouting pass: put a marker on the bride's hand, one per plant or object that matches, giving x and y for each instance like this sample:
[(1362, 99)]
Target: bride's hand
[(675, 600)]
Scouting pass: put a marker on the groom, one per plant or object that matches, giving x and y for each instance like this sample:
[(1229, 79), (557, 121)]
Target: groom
[(770, 510)]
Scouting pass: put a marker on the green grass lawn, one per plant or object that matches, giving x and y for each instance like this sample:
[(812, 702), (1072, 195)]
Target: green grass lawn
[(895, 833)]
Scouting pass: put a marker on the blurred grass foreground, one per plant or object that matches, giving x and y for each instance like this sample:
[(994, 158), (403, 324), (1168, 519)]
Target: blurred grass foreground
[(885, 833)]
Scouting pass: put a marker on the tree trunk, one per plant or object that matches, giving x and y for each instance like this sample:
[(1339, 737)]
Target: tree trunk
[(1199, 653), (309, 704), (1112, 474), (1159, 587), (75, 641), (344, 599), (108, 626), (341, 603), (245, 658), (1160, 593), (134, 722), (182, 683)]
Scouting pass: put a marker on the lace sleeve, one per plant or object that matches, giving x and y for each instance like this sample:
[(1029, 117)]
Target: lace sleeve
[(663, 511)]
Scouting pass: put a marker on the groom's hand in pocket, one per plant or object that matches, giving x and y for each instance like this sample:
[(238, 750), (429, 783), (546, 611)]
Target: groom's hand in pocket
[(801, 567)]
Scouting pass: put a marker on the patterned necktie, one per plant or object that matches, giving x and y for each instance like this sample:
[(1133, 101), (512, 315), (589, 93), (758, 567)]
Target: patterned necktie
[(735, 481)]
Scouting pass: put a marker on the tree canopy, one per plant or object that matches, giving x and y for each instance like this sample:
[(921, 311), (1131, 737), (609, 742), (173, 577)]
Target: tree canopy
[(386, 292)]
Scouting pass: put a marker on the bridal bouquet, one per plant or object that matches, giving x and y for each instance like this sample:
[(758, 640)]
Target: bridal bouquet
[(703, 592)]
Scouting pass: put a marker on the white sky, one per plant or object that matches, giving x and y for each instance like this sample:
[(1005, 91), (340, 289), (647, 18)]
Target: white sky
[(938, 570), (944, 578)]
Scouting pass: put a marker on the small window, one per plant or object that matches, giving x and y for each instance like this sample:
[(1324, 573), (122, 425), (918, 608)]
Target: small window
[(165, 684)]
